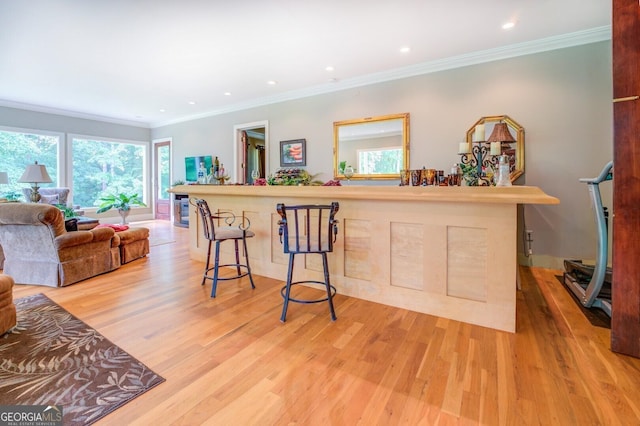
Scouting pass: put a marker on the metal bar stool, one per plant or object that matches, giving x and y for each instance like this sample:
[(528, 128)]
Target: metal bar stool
[(309, 229), (239, 232)]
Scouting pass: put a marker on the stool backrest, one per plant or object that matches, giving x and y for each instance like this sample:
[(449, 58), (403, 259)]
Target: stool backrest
[(225, 217), (208, 227), (308, 228)]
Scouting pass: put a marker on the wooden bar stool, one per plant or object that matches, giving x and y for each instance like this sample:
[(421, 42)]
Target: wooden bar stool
[(233, 231), (308, 229)]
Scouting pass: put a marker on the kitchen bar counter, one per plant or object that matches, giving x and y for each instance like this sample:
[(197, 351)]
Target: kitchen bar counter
[(444, 251)]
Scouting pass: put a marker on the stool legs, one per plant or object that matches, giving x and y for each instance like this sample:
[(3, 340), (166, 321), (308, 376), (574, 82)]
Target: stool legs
[(235, 243), (286, 291), (216, 264), (246, 257), (206, 266), (285, 305), (214, 286), (325, 265)]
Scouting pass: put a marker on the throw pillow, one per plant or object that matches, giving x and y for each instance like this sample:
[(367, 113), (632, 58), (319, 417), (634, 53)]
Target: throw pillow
[(49, 199), (116, 228)]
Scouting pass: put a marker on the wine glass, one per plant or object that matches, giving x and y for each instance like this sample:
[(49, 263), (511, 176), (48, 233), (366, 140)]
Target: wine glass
[(348, 172), (255, 174)]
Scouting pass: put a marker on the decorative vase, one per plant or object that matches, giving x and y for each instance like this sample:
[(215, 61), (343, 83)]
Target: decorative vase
[(123, 216)]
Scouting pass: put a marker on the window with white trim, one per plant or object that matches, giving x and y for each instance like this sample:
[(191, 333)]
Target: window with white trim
[(19, 148), (102, 167)]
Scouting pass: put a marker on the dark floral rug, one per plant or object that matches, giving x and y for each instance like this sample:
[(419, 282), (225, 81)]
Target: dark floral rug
[(53, 358)]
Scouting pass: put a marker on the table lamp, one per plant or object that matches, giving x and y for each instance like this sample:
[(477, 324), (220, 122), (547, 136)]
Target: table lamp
[(500, 136), (35, 174)]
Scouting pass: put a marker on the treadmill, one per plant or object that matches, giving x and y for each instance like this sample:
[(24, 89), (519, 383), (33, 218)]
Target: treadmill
[(592, 283)]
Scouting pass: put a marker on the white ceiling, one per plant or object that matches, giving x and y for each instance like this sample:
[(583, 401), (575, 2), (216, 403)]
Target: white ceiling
[(126, 60)]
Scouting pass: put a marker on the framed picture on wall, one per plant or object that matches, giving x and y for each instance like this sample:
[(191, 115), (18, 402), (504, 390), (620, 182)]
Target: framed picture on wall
[(293, 153)]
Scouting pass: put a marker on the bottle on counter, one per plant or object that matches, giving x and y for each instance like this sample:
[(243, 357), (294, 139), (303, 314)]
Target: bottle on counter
[(216, 167), (504, 175), (202, 174)]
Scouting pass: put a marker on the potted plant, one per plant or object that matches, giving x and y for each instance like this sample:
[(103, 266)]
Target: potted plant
[(122, 202), (68, 211)]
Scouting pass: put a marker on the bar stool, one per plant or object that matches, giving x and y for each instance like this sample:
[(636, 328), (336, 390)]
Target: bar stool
[(219, 234), (308, 229)]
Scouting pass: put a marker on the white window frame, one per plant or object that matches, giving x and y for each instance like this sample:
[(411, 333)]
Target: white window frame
[(146, 164)]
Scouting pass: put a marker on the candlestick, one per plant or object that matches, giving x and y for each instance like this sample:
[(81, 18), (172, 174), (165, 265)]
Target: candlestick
[(478, 135), (463, 148), (496, 148)]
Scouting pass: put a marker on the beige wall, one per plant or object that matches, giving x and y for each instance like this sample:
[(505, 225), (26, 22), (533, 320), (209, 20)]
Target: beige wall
[(562, 98)]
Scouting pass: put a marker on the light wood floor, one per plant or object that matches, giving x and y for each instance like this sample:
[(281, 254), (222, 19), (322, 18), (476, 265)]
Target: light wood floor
[(230, 361)]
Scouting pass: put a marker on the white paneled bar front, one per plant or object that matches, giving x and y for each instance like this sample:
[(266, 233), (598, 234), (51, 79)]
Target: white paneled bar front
[(443, 251)]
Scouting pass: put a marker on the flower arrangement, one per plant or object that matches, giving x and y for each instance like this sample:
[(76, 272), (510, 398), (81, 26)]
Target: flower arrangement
[(292, 176), (260, 182)]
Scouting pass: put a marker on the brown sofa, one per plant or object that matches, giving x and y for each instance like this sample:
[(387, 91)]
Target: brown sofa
[(7, 307), (38, 249)]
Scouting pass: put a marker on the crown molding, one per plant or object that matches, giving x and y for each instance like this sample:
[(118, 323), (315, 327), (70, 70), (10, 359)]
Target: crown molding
[(74, 114), (593, 35)]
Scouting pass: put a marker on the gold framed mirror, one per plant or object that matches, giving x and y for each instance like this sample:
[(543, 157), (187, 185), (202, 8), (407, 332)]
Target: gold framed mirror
[(513, 149), (375, 147)]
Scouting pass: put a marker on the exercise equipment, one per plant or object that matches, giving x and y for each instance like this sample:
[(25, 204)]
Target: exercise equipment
[(592, 284)]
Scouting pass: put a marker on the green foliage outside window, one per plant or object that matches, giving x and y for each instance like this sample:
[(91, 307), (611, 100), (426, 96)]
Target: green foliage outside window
[(21, 149), (101, 168), (380, 161), (98, 167)]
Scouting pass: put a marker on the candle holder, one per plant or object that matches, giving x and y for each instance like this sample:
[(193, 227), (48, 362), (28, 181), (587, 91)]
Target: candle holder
[(477, 162), (221, 179)]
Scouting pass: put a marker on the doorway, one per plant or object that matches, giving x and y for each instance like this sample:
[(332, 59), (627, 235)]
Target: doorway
[(251, 141), (162, 179)]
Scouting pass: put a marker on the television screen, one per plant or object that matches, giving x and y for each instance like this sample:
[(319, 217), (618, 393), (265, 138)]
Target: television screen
[(192, 164)]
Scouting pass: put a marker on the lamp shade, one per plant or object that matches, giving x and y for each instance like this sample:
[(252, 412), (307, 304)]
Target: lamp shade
[(35, 173), (501, 133), (4, 178)]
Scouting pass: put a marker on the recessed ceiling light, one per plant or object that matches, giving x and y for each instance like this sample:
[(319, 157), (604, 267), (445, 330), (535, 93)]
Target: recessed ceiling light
[(508, 25), (227, 93), (405, 49), (192, 102), (329, 68), (272, 82), (163, 110)]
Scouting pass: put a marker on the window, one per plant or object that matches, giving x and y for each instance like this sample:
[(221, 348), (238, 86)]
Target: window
[(91, 167), (103, 167), (18, 148), (380, 160)]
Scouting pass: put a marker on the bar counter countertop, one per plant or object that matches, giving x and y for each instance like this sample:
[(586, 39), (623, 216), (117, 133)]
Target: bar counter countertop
[(443, 251)]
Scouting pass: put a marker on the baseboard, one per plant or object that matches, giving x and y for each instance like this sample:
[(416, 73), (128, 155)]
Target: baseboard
[(542, 261)]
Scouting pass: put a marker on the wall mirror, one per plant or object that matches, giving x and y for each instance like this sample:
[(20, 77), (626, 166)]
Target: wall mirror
[(514, 149), (374, 147)]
